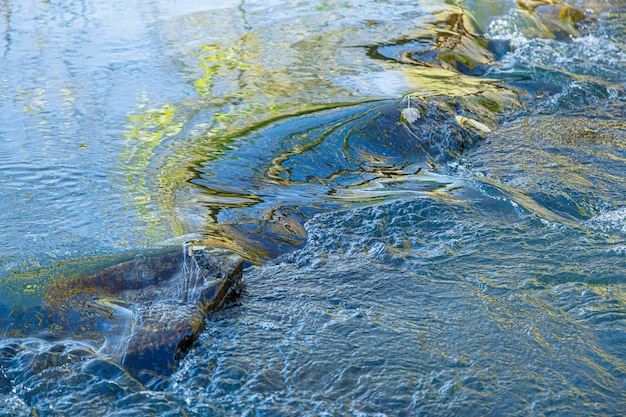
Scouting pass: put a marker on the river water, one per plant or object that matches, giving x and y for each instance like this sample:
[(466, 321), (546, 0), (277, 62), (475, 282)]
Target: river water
[(430, 197)]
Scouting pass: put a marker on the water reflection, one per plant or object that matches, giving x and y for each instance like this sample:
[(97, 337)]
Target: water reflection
[(314, 162), (242, 88), (69, 77), (465, 258)]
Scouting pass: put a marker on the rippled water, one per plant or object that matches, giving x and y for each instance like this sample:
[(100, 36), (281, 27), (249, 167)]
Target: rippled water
[(464, 257)]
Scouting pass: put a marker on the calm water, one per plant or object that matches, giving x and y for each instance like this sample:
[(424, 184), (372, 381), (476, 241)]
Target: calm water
[(430, 197)]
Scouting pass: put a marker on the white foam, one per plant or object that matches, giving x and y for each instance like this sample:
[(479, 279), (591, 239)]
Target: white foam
[(505, 28), (611, 221), (619, 250), (267, 325), (599, 49)]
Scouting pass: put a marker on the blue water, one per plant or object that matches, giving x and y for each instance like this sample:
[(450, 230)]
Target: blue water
[(471, 261)]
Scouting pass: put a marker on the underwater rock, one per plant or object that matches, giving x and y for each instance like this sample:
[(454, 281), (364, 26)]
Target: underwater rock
[(277, 231), (143, 314)]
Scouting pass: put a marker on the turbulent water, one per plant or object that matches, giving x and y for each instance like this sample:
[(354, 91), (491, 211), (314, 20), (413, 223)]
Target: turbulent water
[(430, 197)]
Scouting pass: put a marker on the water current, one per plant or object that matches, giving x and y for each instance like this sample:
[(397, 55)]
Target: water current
[(429, 196)]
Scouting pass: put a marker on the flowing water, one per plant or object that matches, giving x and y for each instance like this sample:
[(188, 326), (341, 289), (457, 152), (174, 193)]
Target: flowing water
[(430, 196)]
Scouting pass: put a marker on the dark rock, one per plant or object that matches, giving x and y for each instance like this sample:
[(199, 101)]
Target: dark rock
[(143, 314)]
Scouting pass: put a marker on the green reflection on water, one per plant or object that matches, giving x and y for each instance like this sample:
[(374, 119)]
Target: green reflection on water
[(248, 71)]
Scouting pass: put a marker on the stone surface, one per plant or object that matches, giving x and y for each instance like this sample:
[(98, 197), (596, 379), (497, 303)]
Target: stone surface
[(143, 314)]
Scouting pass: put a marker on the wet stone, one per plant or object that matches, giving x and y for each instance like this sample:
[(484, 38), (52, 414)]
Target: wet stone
[(145, 313)]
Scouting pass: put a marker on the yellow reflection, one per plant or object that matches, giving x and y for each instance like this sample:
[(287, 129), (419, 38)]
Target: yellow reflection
[(245, 75)]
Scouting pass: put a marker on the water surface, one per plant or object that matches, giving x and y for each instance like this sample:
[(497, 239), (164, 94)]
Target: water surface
[(464, 257)]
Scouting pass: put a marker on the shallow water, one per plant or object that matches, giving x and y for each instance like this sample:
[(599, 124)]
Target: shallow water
[(467, 259)]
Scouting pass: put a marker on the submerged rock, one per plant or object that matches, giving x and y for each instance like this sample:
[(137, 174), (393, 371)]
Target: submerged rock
[(143, 314)]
